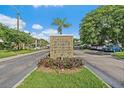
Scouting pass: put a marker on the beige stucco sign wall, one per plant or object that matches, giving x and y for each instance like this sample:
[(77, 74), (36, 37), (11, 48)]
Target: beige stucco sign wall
[(61, 46)]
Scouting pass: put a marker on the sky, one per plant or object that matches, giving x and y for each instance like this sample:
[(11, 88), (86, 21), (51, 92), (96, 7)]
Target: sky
[(37, 19)]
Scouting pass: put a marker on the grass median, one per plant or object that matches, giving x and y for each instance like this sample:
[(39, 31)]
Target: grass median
[(119, 54), (81, 79), (8, 53)]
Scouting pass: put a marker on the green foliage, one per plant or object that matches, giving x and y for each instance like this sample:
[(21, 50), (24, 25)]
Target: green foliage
[(119, 54), (13, 38), (82, 79), (8, 53), (5, 53), (61, 24), (42, 42), (65, 63), (76, 41), (104, 23)]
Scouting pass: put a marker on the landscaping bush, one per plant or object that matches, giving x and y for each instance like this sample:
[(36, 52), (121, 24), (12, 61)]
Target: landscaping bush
[(65, 63)]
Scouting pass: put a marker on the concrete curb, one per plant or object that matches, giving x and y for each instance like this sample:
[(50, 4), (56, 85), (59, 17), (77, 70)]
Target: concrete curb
[(98, 77), (21, 55), (18, 83), (117, 58)]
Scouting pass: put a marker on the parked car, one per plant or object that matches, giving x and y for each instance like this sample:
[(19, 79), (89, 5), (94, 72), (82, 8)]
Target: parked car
[(112, 48), (99, 48), (48, 46), (94, 47), (84, 46), (77, 47)]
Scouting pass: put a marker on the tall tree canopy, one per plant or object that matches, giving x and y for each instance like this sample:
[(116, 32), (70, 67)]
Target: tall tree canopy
[(104, 23), (13, 37)]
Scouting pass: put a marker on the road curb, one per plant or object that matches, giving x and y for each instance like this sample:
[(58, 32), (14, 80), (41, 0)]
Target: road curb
[(18, 83), (117, 58), (98, 77)]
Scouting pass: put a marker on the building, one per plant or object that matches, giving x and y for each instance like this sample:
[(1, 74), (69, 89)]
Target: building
[(61, 46), (1, 41)]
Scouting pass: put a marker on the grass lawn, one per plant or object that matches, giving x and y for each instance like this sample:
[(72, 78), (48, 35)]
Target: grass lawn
[(82, 79), (8, 53), (119, 54)]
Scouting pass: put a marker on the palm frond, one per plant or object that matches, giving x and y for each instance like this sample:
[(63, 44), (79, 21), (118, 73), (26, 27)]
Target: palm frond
[(67, 25), (57, 21), (60, 23)]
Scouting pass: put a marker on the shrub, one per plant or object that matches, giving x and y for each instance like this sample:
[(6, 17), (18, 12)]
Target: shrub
[(65, 63)]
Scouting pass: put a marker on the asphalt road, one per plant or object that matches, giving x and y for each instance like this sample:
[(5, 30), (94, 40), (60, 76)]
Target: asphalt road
[(111, 70), (13, 70)]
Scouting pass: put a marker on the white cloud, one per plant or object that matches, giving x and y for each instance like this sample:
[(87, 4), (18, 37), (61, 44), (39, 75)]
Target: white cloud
[(11, 22), (75, 36), (36, 6), (26, 31), (37, 27), (57, 5), (45, 34), (53, 6)]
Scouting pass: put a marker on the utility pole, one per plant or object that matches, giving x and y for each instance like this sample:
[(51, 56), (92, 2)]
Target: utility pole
[(18, 17), (17, 22)]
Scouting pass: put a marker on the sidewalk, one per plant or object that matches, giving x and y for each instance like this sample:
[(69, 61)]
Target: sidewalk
[(20, 55)]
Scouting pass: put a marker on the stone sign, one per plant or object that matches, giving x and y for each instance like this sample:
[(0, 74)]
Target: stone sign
[(61, 46)]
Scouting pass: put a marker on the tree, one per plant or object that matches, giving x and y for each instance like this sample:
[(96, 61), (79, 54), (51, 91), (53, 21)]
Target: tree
[(61, 24), (42, 42), (76, 41), (103, 23), (14, 39)]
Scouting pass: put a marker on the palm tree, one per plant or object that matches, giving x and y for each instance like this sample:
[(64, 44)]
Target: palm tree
[(61, 24)]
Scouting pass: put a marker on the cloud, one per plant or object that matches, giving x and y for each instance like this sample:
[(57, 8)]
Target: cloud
[(45, 34), (53, 6), (76, 36), (11, 22), (37, 27), (36, 6), (57, 5), (26, 31)]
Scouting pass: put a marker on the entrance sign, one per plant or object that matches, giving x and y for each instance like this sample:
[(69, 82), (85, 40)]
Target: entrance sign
[(61, 46)]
